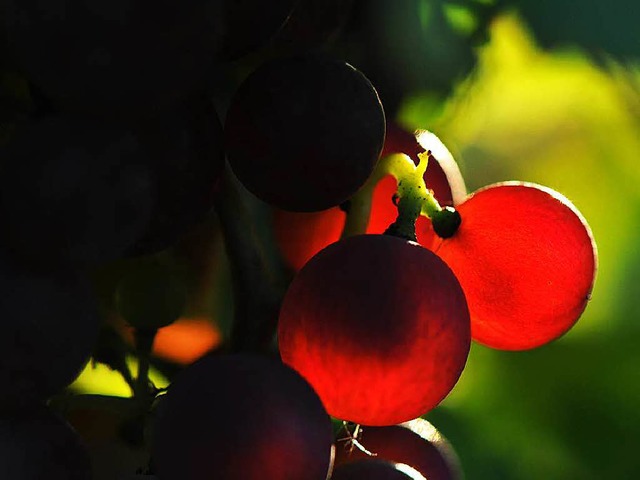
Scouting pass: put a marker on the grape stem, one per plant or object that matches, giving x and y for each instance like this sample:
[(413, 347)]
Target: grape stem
[(258, 282), (144, 344)]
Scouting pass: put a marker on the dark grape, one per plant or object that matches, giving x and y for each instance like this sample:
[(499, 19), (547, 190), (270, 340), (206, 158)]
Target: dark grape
[(151, 296), (75, 190), (526, 260), (36, 444), (241, 417), (416, 443), (375, 469), (304, 133), (49, 325), (379, 326)]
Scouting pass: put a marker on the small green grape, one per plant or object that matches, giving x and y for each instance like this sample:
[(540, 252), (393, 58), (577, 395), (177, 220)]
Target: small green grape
[(151, 296)]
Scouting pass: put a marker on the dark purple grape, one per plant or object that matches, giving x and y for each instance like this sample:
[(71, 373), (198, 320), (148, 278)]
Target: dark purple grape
[(75, 190), (36, 444), (241, 417), (304, 133), (49, 323)]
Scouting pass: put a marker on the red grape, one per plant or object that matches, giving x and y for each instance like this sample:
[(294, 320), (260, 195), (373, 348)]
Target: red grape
[(526, 260), (304, 133), (241, 417), (379, 326), (416, 443)]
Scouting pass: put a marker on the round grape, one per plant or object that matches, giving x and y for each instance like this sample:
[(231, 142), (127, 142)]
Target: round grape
[(151, 296), (379, 327), (304, 133), (241, 417), (526, 260)]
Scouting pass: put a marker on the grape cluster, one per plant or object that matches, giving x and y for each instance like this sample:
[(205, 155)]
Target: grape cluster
[(390, 269)]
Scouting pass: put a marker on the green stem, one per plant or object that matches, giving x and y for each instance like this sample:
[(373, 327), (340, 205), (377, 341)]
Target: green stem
[(414, 198), (359, 211)]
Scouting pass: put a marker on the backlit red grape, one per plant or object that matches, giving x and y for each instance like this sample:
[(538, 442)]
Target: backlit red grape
[(526, 260), (379, 326)]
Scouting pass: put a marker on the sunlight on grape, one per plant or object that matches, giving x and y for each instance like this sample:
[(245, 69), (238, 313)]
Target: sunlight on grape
[(409, 471), (429, 141), (101, 380)]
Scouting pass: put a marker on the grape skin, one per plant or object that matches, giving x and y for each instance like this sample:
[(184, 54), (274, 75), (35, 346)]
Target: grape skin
[(379, 326), (526, 260), (241, 417)]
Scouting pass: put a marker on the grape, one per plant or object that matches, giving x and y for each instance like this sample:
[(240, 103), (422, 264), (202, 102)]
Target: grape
[(49, 324), (304, 133), (379, 326), (151, 296), (526, 260), (119, 58), (75, 190), (416, 443), (36, 444), (187, 163), (241, 417), (375, 469)]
